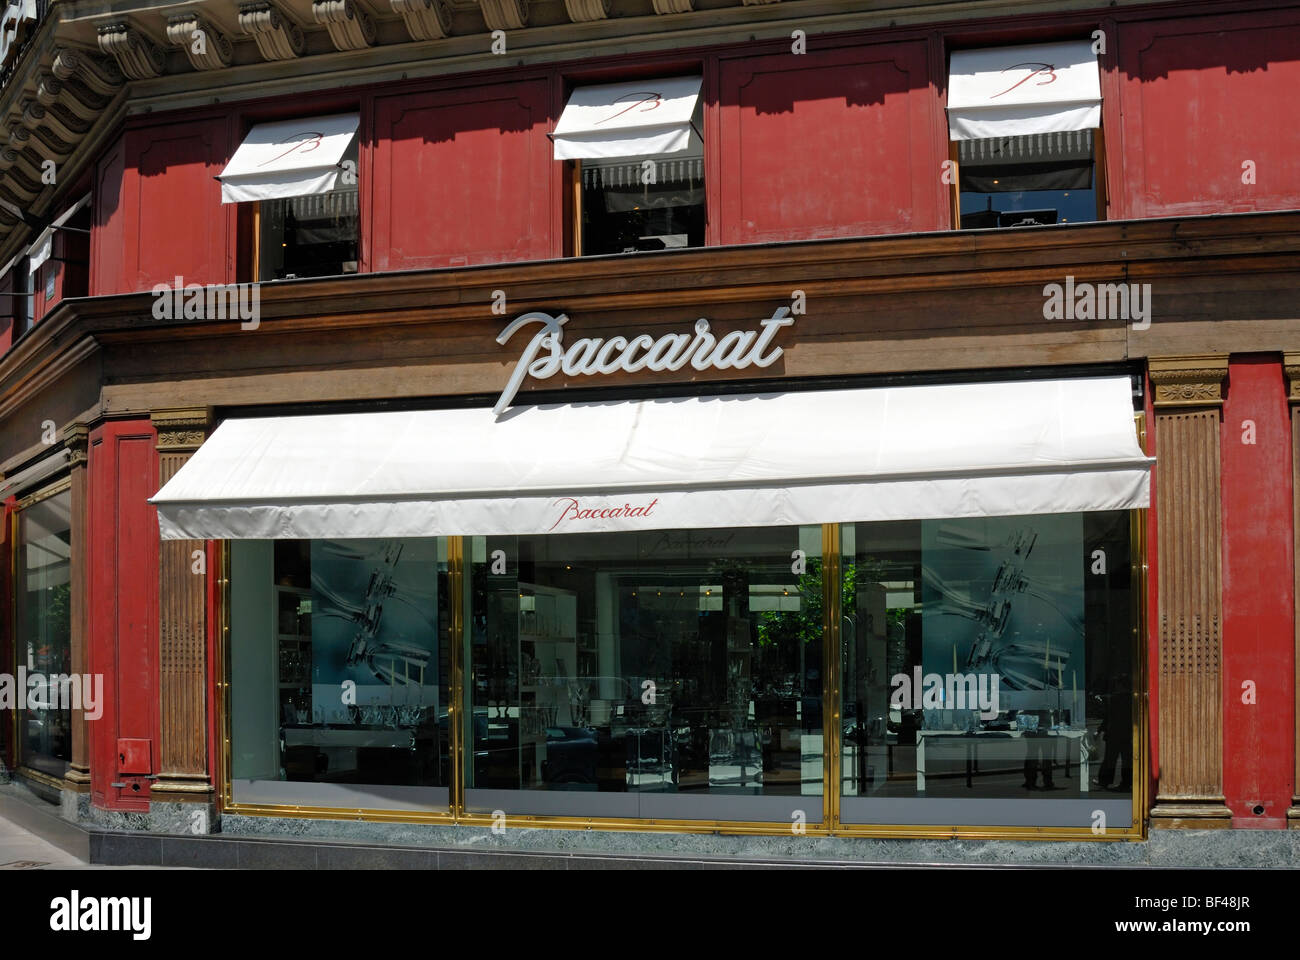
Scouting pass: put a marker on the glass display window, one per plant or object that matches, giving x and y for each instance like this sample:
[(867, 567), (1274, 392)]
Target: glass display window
[(340, 673), (43, 631), (989, 672), (669, 674)]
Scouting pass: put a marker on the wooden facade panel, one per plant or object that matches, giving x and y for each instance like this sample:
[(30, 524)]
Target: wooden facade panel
[(829, 144), (123, 464), (108, 225), (1201, 97), (175, 223), (462, 177), (1258, 609)]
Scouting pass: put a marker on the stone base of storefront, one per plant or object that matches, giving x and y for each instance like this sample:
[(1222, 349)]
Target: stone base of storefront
[(268, 843), (131, 839)]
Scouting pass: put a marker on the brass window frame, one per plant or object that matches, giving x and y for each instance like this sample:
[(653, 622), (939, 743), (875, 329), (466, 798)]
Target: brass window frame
[(52, 488)]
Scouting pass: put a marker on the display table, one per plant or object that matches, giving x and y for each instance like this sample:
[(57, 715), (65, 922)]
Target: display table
[(972, 740)]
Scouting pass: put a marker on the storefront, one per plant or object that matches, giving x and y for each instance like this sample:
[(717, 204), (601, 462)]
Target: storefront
[(885, 610)]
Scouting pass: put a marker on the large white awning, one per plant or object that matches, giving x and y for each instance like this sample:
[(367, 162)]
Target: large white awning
[(967, 450), (638, 119), (1010, 91), (289, 158)]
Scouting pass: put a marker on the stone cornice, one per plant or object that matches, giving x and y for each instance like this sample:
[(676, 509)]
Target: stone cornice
[(1196, 381)]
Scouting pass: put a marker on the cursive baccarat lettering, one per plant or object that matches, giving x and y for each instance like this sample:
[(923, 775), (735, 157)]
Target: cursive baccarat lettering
[(546, 354)]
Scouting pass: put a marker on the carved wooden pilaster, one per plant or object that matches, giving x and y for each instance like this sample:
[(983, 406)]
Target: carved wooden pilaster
[(1291, 366), (1188, 396), (277, 37), (424, 19), (205, 45), (77, 778), (673, 6), (182, 650)]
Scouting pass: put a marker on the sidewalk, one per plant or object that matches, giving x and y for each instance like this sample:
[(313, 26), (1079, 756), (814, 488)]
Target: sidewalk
[(21, 850)]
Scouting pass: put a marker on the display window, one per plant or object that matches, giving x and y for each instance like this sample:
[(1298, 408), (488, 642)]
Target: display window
[(42, 612), (989, 672), (340, 673), (670, 674)]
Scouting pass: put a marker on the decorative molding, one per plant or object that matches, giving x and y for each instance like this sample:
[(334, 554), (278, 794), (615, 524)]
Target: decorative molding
[(1291, 369), (424, 19), (755, 3), (277, 37), (586, 10), (1188, 381), (504, 14), (36, 117), (188, 30), (673, 6), (181, 431), (136, 55), (101, 77), (76, 438), (349, 26)]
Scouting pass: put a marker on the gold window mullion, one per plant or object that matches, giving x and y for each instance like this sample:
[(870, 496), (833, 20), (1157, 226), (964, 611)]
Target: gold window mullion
[(457, 599), (832, 616)]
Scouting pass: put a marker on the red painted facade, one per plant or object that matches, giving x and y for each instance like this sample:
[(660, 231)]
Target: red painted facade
[(1200, 98), (1258, 594), (847, 139), (123, 465)]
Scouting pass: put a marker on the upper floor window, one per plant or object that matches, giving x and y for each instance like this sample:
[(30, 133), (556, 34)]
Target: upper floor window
[(302, 175), (1025, 125), (638, 165)]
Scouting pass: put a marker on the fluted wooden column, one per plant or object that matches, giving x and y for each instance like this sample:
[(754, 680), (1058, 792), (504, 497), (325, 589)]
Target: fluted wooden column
[(1291, 365), (1188, 410), (182, 643), (77, 778)]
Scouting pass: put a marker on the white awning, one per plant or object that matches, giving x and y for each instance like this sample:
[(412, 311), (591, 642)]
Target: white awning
[(1007, 91), (968, 450), (43, 246), (289, 158), (637, 119)]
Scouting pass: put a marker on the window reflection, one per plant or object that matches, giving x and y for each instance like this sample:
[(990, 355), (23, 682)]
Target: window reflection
[(668, 662), (987, 659), (44, 621)]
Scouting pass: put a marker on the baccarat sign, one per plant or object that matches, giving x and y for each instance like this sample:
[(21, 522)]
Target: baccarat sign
[(546, 353)]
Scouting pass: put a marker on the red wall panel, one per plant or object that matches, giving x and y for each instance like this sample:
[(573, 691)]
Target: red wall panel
[(1258, 593), (174, 222), (123, 466), (829, 144), (463, 176), (1200, 96)]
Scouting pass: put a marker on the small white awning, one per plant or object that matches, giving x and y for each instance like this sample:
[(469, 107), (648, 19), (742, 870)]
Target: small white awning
[(43, 246), (289, 158), (637, 119), (1009, 91), (966, 450)]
